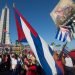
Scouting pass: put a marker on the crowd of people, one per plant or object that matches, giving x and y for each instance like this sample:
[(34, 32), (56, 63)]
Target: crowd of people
[(14, 64), (66, 63)]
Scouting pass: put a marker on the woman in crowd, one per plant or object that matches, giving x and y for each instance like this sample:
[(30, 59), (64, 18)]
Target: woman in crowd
[(30, 65), (59, 61), (14, 64), (69, 66), (5, 65)]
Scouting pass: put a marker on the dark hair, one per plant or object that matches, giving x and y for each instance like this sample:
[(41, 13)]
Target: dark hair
[(0, 56)]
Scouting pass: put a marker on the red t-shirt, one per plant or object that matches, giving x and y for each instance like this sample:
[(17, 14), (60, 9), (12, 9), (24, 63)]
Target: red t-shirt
[(60, 65), (32, 70)]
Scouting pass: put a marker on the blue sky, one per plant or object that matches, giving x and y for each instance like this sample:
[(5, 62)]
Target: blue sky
[(37, 13)]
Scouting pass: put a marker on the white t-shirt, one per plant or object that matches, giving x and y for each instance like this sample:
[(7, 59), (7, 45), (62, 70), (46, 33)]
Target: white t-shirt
[(69, 62), (13, 63), (0, 60)]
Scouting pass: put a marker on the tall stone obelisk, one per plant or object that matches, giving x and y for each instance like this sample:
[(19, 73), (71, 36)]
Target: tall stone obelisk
[(4, 26)]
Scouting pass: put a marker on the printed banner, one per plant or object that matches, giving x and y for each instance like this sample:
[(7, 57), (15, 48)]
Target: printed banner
[(63, 11)]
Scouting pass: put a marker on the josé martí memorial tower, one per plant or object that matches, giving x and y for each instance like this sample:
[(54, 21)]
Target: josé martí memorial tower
[(4, 27)]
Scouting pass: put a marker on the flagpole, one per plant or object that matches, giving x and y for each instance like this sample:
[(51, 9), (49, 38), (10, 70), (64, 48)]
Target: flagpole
[(64, 46), (61, 53), (13, 4)]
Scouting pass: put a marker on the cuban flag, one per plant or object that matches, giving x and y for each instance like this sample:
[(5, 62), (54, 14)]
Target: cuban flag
[(63, 34), (41, 49)]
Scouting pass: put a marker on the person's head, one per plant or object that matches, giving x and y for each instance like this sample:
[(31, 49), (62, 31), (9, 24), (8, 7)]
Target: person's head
[(55, 56), (25, 60), (6, 58), (0, 56), (14, 56), (32, 59)]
